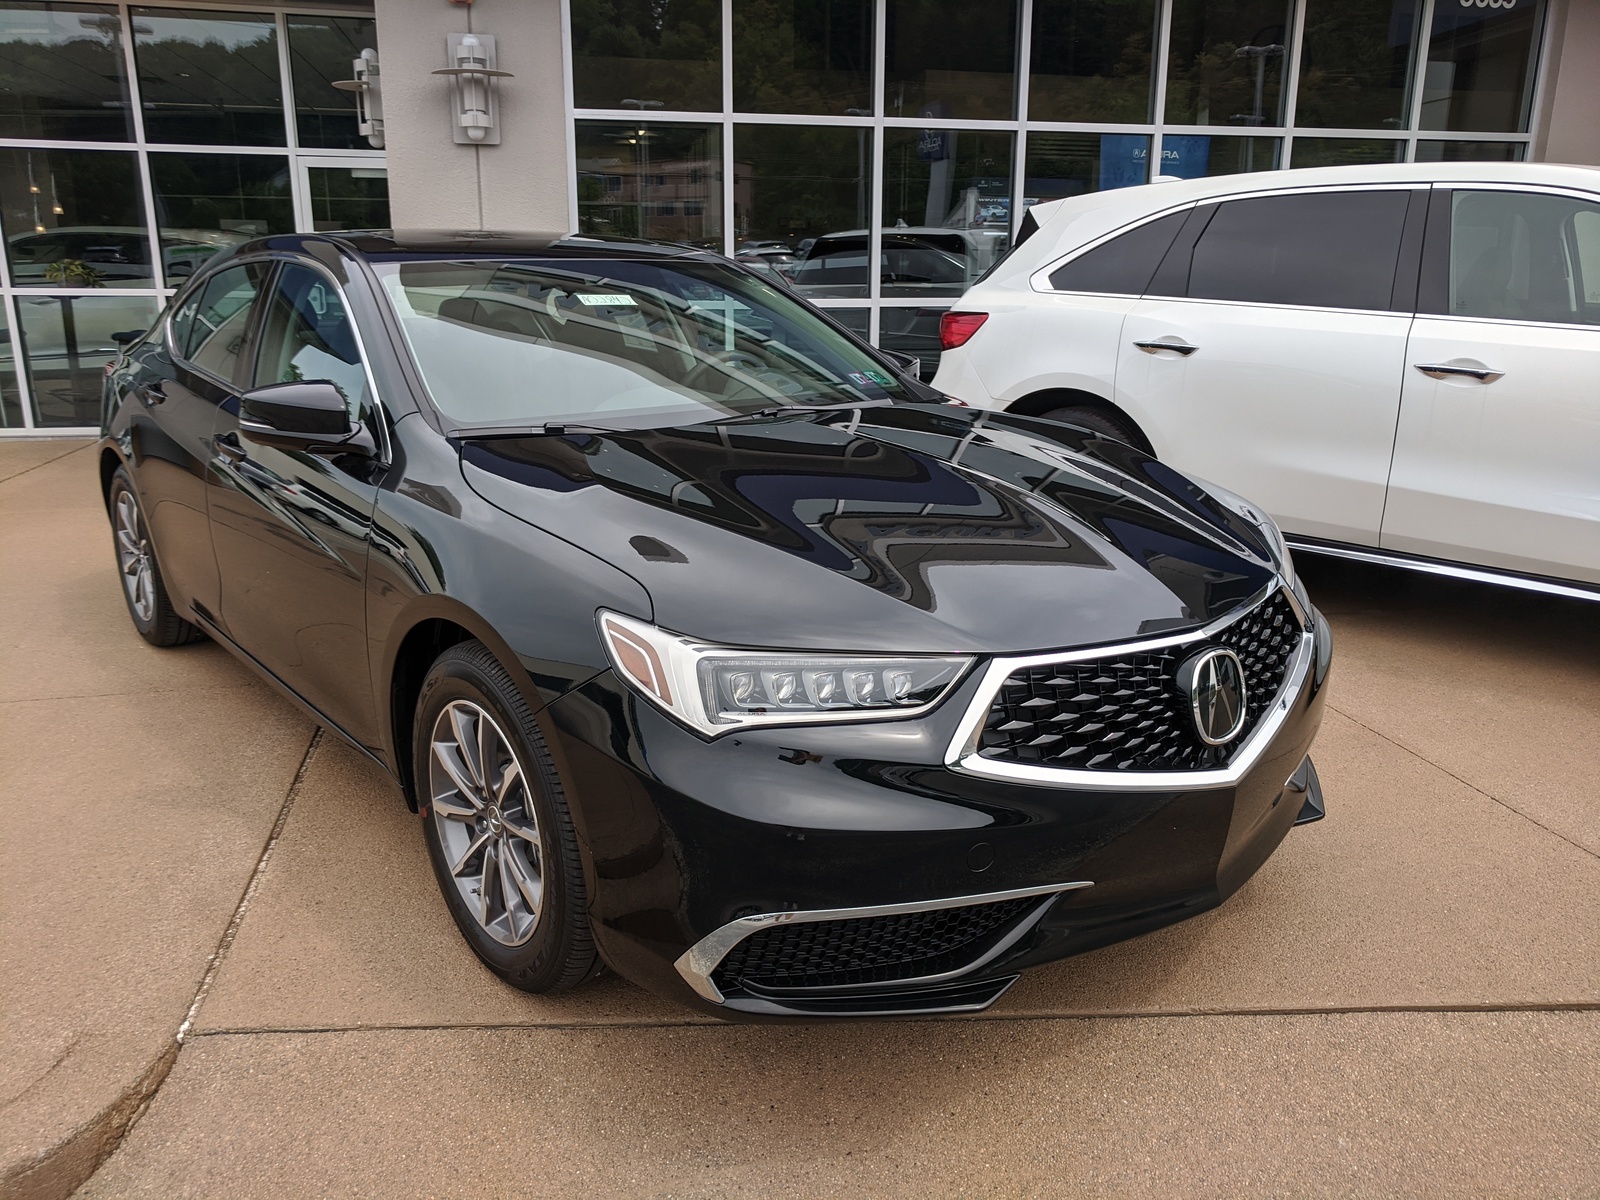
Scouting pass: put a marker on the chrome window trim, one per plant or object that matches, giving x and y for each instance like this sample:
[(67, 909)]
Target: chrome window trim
[(962, 754), (697, 963)]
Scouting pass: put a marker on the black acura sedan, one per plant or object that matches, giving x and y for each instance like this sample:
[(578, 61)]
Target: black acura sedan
[(706, 644)]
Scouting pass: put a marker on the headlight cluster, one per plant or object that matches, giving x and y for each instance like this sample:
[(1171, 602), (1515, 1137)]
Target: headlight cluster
[(715, 689)]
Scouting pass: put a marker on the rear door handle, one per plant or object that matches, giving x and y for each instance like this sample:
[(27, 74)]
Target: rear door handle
[(1444, 370), (229, 446), (1173, 344)]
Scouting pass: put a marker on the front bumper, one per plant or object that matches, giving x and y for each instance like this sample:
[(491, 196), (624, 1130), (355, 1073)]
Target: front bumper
[(693, 846)]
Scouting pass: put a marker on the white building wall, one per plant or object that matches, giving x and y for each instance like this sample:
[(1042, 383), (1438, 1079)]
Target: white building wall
[(521, 184), (1570, 116)]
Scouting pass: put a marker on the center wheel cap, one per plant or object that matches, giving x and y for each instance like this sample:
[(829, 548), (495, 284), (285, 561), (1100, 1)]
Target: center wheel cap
[(493, 818)]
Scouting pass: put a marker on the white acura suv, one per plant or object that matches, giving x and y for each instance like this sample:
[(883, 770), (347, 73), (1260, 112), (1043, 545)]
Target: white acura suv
[(1399, 363)]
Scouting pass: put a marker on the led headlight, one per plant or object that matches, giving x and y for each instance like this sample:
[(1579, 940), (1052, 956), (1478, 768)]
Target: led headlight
[(715, 689)]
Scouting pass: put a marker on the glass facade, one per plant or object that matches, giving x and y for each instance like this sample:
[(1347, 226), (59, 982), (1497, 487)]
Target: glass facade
[(136, 141), (879, 154)]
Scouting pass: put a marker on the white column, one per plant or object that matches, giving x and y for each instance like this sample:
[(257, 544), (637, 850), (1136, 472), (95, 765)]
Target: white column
[(434, 183)]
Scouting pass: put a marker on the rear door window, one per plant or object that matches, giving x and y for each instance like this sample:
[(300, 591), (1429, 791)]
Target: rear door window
[(1124, 265), (1317, 249), (1523, 256)]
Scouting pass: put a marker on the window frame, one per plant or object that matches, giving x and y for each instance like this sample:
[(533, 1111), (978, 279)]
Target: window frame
[(374, 415), (200, 282), (1039, 280)]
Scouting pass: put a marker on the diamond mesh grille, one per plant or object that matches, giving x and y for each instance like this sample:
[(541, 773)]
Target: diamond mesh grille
[(1124, 712), (818, 954)]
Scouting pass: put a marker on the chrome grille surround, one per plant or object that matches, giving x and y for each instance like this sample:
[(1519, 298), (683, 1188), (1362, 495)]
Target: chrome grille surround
[(964, 754)]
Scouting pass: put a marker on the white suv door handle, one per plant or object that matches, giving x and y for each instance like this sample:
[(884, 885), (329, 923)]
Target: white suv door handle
[(1442, 370), (1173, 344)]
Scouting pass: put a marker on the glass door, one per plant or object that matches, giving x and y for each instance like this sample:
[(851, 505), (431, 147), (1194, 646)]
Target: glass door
[(342, 193)]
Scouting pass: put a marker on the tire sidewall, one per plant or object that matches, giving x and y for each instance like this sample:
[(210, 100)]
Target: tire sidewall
[(538, 963), (121, 482)]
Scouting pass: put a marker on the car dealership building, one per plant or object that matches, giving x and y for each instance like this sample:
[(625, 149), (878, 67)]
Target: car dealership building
[(806, 137)]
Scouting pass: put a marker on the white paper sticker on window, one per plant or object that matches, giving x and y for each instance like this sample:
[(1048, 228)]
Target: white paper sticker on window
[(601, 299)]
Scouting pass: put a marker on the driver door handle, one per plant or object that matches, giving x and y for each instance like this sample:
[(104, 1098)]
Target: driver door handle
[(1176, 346), (1441, 370), (229, 446), (150, 394)]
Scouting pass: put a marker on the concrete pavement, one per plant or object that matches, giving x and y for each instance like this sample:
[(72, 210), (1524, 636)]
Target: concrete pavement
[(1403, 1001)]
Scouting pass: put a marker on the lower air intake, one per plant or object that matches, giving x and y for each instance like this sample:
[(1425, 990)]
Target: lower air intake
[(868, 950)]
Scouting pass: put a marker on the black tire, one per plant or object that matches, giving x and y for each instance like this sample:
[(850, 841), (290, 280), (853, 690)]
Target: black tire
[(559, 952), (1098, 420), (158, 623)]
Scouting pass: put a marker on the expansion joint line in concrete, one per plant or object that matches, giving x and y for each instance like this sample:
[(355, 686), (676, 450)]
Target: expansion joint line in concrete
[(243, 906), (65, 1167), (47, 462), (1490, 796)]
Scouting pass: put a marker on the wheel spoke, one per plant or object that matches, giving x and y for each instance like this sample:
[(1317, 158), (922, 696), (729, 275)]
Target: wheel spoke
[(445, 754), (528, 832), (473, 847), (446, 807), (508, 884), (486, 743), (486, 884), (513, 773), (467, 742), (127, 542), (528, 883)]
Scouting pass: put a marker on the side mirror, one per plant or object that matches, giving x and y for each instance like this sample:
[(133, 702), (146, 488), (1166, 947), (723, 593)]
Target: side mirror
[(127, 337), (303, 416), (910, 364)]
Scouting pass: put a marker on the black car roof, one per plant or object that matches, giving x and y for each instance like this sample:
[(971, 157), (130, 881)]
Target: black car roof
[(434, 242)]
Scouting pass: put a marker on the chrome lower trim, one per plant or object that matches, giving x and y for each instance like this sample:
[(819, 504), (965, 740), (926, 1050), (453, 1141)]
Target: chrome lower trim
[(1434, 566), (963, 755), (698, 962)]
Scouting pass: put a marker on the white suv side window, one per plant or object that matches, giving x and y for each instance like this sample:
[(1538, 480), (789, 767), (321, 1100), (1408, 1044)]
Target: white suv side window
[(1524, 256)]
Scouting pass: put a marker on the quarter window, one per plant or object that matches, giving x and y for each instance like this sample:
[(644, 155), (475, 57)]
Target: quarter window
[(216, 332), (308, 336), (1124, 265), (1520, 256), (1320, 249)]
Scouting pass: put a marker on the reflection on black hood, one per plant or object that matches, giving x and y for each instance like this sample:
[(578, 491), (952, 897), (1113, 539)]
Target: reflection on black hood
[(899, 527)]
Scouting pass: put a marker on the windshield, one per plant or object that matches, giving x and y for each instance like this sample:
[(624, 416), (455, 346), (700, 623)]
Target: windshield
[(529, 342)]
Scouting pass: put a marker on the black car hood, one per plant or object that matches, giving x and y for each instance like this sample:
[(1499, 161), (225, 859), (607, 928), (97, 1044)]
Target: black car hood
[(909, 527)]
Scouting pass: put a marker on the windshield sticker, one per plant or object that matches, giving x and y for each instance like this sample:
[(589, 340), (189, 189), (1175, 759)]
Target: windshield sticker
[(602, 299), (869, 379)]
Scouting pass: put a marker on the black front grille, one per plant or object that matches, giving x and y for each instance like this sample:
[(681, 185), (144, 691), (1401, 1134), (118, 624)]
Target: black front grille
[(854, 950), (1124, 712)]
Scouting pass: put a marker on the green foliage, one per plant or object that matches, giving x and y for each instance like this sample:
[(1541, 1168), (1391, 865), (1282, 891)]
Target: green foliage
[(73, 272)]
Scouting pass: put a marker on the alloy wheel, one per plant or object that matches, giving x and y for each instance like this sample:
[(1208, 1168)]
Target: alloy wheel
[(486, 822), (133, 555)]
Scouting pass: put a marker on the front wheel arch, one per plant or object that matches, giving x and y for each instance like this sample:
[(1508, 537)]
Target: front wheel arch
[(1042, 403)]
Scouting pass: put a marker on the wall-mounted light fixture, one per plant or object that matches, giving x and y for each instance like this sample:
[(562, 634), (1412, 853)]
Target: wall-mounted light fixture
[(369, 96), (474, 90)]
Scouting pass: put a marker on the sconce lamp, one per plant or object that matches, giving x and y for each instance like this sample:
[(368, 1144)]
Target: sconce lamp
[(474, 92), (369, 96)]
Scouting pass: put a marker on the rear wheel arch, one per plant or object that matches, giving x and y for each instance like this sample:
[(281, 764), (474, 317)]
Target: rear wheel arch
[(1043, 403)]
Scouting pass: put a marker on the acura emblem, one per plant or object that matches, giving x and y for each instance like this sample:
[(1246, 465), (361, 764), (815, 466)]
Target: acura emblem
[(1214, 682)]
